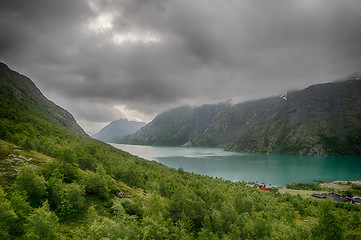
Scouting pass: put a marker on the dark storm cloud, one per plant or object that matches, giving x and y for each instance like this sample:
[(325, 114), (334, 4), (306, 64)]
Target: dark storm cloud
[(151, 55)]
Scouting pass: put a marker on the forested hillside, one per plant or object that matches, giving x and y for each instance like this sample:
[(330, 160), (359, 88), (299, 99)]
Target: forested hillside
[(57, 183), (323, 119)]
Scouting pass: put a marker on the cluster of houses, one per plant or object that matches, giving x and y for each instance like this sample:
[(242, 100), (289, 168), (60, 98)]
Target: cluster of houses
[(336, 197), (261, 186)]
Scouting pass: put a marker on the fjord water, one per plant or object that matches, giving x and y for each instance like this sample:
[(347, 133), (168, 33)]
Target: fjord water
[(269, 169)]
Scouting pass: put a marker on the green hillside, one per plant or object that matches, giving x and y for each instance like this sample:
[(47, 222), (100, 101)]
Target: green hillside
[(57, 183), (19, 93), (323, 119)]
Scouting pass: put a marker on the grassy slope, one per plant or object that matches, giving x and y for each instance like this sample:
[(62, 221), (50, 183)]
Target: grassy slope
[(12, 158)]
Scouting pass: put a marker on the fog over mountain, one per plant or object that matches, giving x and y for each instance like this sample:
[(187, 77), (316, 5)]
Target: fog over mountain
[(104, 60), (322, 119)]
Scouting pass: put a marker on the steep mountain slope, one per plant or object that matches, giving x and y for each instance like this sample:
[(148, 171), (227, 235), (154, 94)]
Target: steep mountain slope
[(22, 90), (207, 125), (178, 126), (117, 129), (323, 119)]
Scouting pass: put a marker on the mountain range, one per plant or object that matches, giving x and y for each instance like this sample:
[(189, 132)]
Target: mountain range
[(322, 119), (117, 129)]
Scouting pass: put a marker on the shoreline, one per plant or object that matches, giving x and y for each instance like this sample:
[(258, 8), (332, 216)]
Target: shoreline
[(346, 181)]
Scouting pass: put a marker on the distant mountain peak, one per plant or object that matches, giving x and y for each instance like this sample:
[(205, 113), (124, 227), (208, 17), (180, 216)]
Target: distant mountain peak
[(118, 128)]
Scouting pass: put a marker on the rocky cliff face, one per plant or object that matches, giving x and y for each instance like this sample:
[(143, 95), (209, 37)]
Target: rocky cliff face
[(323, 119)]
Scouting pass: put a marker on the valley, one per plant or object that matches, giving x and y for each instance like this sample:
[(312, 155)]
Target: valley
[(58, 183)]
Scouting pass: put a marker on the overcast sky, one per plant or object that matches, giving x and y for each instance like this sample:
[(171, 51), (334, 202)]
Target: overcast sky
[(108, 59)]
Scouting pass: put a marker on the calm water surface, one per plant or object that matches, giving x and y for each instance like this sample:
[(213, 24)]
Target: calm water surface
[(270, 169)]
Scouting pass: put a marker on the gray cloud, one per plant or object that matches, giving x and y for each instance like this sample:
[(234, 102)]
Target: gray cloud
[(152, 55)]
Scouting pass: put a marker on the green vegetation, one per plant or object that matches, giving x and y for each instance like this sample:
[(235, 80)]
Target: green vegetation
[(347, 145), (60, 184), (355, 190), (305, 186), (169, 204)]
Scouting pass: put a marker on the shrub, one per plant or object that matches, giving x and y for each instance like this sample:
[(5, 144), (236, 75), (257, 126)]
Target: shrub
[(42, 224), (32, 184), (65, 199), (22, 209), (98, 183), (7, 216)]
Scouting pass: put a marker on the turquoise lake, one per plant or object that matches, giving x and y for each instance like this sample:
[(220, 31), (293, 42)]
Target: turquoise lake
[(270, 169)]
